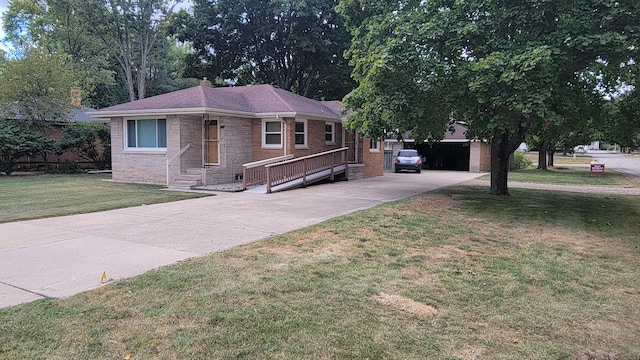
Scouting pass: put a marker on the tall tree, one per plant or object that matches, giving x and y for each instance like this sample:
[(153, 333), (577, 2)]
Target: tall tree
[(130, 28), (35, 93), (53, 25), (291, 44), (36, 89), (502, 67)]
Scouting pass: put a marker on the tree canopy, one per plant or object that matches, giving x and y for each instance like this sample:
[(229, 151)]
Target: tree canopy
[(501, 67), (36, 89), (295, 45), (116, 45)]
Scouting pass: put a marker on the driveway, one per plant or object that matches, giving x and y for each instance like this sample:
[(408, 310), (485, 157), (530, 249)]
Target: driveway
[(59, 257), (627, 164)]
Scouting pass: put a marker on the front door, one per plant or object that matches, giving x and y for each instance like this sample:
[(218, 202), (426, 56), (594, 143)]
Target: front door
[(211, 142)]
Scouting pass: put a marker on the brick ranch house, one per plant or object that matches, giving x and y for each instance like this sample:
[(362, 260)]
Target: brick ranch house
[(210, 132)]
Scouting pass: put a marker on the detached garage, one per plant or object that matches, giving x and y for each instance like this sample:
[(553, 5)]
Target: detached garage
[(454, 152)]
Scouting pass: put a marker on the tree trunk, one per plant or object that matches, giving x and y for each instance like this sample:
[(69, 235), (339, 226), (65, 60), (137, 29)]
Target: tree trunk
[(503, 144), (542, 156)]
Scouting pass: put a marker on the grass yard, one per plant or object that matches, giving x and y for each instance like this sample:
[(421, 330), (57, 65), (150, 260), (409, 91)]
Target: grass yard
[(455, 274), (571, 176), (561, 159), (39, 196)]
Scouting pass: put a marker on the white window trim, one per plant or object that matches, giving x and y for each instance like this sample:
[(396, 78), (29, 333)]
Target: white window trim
[(333, 133), (372, 148), (263, 134), (125, 137), (306, 132)]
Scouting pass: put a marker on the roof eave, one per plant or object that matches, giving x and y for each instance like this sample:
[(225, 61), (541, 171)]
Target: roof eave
[(165, 112), (211, 111)]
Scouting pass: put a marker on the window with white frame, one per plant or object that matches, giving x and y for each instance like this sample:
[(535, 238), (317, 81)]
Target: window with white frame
[(271, 133), (146, 134), (301, 134), (374, 145), (329, 133)]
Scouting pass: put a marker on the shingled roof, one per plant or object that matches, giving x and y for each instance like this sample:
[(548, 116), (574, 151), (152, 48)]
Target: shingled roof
[(249, 101)]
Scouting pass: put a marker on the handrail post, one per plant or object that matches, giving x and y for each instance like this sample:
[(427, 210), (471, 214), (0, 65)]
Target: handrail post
[(268, 180), (244, 178), (304, 172)]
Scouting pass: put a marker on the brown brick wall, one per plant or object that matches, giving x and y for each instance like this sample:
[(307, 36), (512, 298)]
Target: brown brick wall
[(485, 157), (315, 139), (479, 156), (373, 160)]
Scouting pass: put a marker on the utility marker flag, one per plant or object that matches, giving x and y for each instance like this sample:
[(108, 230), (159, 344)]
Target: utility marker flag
[(103, 278)]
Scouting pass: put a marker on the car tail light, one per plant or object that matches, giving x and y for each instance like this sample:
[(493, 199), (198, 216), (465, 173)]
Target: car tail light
[(397, 161), (419, 161)]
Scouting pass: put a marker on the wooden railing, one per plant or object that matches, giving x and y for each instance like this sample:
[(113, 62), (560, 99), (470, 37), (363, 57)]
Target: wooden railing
[(307, 169), (254, 173)]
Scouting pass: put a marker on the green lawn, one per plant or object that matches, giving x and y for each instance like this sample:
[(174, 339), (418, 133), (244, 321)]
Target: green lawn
[(455, 274), (561, 159), (39, 196), (571, 176)]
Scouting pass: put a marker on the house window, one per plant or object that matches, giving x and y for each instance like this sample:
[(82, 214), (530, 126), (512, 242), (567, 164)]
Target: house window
[(329, 133), (147, 134), (301, 134), (272, 134), (374, 145)]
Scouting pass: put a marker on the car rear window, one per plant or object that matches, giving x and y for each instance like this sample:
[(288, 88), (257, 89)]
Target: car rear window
[(408, 153)]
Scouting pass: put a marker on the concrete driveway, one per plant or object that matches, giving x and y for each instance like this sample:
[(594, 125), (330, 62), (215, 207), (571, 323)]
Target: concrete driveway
[(62, 256)]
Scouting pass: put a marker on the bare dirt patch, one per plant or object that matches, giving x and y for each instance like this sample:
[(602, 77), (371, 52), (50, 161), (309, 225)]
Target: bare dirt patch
[(402, 303)]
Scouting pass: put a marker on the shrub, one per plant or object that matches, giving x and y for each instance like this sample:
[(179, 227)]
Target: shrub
[(93, 140), (520, 161)]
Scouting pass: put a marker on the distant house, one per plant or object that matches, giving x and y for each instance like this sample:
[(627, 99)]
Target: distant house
[(454, 152), (65, 158), (207, 133)]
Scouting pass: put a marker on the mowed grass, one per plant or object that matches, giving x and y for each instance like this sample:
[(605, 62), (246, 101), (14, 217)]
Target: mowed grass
[(39, 196), (455, 274), (558, 158), (571, 176)]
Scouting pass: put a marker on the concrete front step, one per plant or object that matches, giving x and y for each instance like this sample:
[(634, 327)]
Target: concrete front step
[(181, 183), (189, 177), (194, 171)]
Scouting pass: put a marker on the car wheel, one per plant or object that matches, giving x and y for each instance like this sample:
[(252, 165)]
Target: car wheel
[(397, 171)]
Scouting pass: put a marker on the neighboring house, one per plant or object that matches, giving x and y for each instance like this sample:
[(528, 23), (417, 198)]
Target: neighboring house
[(66, 158), (454, 152), (207, 133)]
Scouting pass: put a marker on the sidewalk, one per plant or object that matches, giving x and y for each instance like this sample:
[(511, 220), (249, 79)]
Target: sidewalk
[(59, 257)]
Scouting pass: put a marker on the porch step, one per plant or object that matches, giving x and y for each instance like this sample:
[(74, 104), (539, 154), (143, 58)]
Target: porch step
[(187, 180), (189, 177), (185, 184), (194, 171)]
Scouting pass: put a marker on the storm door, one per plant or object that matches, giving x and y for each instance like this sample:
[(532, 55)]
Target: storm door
[(211, 142)]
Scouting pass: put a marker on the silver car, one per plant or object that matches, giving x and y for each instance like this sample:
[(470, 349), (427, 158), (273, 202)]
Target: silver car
[(409, 160)]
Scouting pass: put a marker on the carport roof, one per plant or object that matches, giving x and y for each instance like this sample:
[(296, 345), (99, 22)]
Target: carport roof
[(251, 101)]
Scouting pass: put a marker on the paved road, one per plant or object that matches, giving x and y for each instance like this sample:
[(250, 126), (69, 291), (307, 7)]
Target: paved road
[(59, 257), (620, 162)]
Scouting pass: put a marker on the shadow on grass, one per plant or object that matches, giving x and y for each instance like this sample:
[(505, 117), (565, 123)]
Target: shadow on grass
[(609, 215)]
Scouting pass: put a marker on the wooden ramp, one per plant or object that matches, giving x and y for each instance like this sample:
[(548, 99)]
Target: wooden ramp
[(287, 174)]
